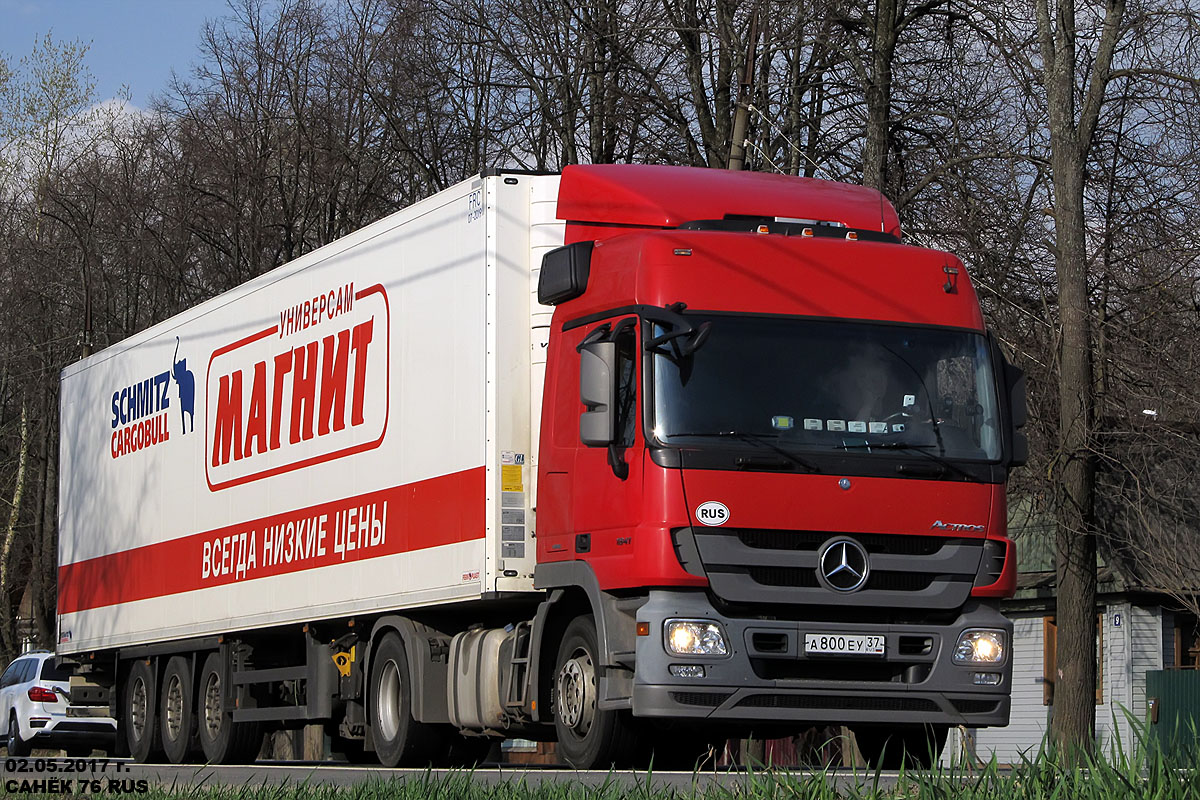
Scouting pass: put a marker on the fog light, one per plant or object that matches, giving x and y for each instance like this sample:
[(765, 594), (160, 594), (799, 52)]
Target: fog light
[(987, 679), (687, 670), (980, 647), (694, 637)]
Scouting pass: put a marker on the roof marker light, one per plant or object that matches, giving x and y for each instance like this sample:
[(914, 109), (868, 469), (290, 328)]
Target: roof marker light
[(763, 229), (852, 236), (683, 251), (807, 232)]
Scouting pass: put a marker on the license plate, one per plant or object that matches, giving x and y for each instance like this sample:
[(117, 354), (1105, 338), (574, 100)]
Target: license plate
[(842, 644)]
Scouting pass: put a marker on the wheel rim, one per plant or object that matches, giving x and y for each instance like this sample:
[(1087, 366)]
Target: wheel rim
[(388, 704), (577, 692), (173, 712), (139, 707), (13, 738), (212, 705)]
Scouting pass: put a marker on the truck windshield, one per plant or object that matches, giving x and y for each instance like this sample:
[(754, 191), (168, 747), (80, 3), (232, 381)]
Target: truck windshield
[(820, 385)]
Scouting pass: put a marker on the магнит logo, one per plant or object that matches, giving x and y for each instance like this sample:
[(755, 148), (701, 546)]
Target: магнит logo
[(312, 388)]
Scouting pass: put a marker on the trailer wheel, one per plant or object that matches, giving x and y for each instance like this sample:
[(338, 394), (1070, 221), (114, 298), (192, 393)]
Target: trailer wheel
[(399, 739), (588, 737), (138, 713), (914, 746), (223, 740), (176, 710)]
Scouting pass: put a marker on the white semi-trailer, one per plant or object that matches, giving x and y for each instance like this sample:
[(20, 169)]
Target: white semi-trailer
[(328, 440)]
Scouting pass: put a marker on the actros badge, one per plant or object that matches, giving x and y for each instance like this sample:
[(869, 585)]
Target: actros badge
[(712, 513)]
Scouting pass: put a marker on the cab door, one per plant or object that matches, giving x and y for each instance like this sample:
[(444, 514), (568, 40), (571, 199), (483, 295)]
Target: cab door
[(607, 498)]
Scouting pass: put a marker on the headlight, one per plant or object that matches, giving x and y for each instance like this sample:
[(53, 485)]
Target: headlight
[(694, 637), (980, 647)]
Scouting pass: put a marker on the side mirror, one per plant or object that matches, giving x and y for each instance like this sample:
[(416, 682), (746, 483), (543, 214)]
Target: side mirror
[(598, 392), (1014, 384)]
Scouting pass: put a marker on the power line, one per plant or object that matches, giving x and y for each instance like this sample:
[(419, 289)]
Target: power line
[(776, 129), (765, 157)]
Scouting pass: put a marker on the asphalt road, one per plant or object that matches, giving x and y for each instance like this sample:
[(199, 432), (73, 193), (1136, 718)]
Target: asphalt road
[(292, 773)]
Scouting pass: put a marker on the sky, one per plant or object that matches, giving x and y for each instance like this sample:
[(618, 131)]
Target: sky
[(135, 43)]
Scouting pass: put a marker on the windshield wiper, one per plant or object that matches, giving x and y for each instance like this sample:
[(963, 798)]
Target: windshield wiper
[(883, 446), (914, 447), (758, 439)]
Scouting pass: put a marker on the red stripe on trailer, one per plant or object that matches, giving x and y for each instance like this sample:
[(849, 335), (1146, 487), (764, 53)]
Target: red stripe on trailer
[(415, 516)]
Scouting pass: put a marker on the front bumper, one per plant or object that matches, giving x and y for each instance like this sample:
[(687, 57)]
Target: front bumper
[(767, 676)]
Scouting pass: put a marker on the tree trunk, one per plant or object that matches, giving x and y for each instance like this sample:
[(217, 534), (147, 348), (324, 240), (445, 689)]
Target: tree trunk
[(1074, 720), (879, 96)]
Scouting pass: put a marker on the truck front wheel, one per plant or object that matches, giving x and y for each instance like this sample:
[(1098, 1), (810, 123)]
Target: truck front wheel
[(588, 737), (399, 739), (223, 740)]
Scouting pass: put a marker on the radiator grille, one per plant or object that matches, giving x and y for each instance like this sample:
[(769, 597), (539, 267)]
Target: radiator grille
[(750, 565)]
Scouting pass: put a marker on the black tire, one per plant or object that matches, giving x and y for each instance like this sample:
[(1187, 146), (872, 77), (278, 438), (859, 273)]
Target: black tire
[(223, 740), (588, 737), (399, 739), (138, 714), (17, 747), (910, 746), (176, 710)]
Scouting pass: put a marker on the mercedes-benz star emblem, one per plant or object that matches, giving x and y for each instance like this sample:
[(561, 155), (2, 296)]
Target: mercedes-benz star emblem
[(843, 566)]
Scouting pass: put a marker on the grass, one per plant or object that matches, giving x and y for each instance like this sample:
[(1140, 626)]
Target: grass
[(1149, 773)]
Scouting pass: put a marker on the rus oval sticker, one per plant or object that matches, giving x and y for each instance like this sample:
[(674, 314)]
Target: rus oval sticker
[(712, 513)]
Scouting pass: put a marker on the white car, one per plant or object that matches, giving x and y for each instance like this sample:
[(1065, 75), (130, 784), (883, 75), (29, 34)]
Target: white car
[(35, 702)]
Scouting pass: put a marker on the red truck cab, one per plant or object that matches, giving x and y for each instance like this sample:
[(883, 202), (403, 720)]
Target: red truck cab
[(774, 446)]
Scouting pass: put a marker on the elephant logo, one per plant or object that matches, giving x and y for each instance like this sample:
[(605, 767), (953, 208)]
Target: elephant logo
[(185, 383)]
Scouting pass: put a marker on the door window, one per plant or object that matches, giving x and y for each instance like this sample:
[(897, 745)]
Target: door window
[(626, 342), (10, 674)]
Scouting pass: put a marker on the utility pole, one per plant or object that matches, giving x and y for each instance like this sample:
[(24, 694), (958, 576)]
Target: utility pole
[(741, 118)]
